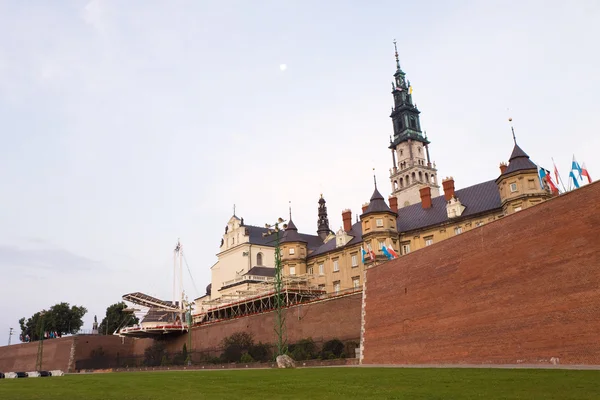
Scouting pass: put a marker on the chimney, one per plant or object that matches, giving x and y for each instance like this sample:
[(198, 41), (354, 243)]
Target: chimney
[(503, 167), (347, 218), (364, 207), (393, 203), (448, 185), (426, 196)]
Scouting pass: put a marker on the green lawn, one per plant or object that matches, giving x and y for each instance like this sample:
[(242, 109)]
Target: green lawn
[(313, 383)]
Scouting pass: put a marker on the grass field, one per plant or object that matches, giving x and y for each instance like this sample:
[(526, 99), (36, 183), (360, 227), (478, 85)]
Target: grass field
[(313, 383)]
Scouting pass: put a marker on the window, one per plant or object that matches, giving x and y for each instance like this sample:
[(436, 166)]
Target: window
[(513, 187), (292, 270), (355, 260), (419, 150), (478, 223), (232, 240), (401, 151), (336, 265), (518, 208), (259, 259), (379, 222), (531, 183), (457, 230), (355, 282), (428, 240), (292, 250), (310, 270), (380, 244), (413, 122), (322, 286), (321, 269), (405, 248), (336, 286)]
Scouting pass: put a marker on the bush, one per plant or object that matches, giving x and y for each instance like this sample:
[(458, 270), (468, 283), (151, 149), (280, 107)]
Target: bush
[(304, 349), (236, 345), (260, 352), (246, 358), (333, 347), (153, 355)]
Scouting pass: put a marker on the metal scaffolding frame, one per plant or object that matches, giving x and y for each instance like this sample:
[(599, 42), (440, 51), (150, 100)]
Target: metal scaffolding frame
[(263, 298)]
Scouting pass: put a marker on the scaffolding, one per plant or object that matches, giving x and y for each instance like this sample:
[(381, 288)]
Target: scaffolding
[(261, 298)]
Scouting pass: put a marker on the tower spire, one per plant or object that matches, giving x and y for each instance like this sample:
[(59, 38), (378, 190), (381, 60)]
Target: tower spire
[(513, 130), (396, 54), (374, 178)]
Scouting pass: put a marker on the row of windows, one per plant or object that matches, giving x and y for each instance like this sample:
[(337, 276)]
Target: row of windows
[(515, 188), (337, 284)]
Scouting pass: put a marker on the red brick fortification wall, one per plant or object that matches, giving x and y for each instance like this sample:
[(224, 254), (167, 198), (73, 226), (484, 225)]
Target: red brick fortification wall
[(22, 357), (336, 318), (524, 289), (110, 344)]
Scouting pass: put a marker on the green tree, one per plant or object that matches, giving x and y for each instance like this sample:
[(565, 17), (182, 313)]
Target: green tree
[(61, 318), (116, 318)]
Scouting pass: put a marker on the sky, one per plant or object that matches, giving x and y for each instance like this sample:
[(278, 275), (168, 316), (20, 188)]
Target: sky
[(127, 125)]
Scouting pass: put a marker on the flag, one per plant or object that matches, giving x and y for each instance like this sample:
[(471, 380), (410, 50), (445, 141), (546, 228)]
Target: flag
[(585, 173), (392, 252), (399, 88), (364, 253), (552, 185), (386, 252), (555, 172), (542, 174), (572, 175), (371, 253), (410, 89), (576, 167)]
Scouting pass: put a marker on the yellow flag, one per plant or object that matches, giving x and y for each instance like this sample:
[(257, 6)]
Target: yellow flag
[(410, 90)]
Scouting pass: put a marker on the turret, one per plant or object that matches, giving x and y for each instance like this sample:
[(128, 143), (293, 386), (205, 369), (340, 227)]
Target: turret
[(378, 225), (293, 251)]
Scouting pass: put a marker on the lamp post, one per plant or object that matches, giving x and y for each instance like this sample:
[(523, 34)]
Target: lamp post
[(279, 300)]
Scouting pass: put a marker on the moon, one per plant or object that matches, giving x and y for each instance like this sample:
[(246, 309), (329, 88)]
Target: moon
[(282, 67)]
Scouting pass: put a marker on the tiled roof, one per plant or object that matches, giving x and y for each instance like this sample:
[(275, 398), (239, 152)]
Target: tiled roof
[(157, 315), (256, 237), (519, 161), (261, 271), (355, 232), (291, 234), (377, 204), (477, 199)]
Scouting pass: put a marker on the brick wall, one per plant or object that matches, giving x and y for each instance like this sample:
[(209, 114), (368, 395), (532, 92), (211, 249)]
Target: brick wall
[(324, 320), (22, 357), (523, 289)]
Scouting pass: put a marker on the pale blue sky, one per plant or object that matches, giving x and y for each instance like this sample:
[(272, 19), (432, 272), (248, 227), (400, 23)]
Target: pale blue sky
[(126, 125)]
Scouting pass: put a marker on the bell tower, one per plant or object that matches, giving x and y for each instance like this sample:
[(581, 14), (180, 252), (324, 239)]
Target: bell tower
[(412, 169)]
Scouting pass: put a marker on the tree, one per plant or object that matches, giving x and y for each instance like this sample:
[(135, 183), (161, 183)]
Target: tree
[(60, 319), (116, 318)]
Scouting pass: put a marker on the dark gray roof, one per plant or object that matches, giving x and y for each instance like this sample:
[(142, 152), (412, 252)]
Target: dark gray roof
[(519, 161), (256, 237), (291, 234), (157, 315), (477, 199), (377, 204), (355, 232), (261, 271)]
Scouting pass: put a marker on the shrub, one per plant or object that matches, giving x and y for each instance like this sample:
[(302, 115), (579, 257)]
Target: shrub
[(304, 349), (333, 347), (260, 352), (235, 345), (246, 358), (153, 355)]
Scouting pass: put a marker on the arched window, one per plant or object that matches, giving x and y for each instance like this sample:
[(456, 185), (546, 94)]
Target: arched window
[(414, 177), (427, 177), (413, 122), (395, 185), (420, 176), (259, 259), (401, 182)]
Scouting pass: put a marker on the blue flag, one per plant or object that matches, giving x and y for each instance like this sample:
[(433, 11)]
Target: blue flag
[(572, 175)]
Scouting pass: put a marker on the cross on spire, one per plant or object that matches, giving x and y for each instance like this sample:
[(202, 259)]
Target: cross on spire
[(396, 53), (513, 130)]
